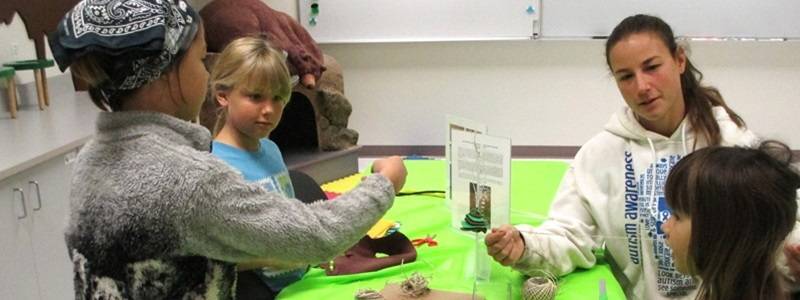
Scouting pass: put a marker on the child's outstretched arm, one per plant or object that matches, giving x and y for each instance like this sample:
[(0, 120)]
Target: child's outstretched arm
[(231, 220), (391, 167)]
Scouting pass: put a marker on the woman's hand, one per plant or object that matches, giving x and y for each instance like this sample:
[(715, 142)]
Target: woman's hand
[(505, 245)]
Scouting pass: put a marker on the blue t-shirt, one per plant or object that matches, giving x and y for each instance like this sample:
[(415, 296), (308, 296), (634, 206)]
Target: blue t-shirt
[(266, 168)]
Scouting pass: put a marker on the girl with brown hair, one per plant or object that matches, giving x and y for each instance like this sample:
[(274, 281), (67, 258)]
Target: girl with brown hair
[(732, 208)]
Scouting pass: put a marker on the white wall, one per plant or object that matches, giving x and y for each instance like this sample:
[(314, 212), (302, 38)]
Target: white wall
[(543, 92), (16, 46), (535, 92), (287, 6)]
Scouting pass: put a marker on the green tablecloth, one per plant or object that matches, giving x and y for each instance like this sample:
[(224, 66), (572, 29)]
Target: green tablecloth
[(449, 265)]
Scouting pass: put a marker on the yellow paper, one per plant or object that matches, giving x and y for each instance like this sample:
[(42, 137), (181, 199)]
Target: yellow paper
[(379, 229), (342, 185)]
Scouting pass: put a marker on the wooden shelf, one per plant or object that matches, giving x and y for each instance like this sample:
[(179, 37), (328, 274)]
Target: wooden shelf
[(324, 166)]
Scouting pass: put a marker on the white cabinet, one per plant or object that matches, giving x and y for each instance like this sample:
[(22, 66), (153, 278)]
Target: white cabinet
[(17, 269), (34, 207), (34, 192)]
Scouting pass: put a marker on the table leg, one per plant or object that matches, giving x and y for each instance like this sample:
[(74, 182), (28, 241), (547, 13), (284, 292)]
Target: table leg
[(39, 88), (46, 90), (12, 97)]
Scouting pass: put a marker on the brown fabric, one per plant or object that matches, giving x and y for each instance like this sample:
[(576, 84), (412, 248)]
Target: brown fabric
[(333, 108), (361, 257), (7, 11), (227, 20)]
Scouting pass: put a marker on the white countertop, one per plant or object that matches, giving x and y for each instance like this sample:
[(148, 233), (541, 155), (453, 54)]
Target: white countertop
[(36, 136)]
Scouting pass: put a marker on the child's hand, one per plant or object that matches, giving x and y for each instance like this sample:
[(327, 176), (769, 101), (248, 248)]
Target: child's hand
[(505, 245), (393, 169)]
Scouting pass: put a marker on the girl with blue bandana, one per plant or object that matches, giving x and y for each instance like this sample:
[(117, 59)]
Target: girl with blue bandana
[(154, 215)]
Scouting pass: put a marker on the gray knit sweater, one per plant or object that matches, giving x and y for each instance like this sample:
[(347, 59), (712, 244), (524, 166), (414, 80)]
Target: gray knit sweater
[(155, 216)]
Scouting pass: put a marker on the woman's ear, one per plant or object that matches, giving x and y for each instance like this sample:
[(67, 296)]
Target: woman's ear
[(680, 59)]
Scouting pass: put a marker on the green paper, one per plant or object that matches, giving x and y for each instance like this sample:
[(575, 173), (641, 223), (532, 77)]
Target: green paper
[(474, 221), (450, 266)]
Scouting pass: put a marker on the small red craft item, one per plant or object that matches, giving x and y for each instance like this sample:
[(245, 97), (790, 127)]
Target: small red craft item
[(429, 240)]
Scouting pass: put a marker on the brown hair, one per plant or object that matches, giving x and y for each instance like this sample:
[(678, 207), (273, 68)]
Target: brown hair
[(91, 69), (94, 69), (742, 206), (254, 65), (699, 99)]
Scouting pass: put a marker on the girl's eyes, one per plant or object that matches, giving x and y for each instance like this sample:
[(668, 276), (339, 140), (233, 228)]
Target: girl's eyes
[(649, 68), (678, 216), (652, 67), (261, 98)]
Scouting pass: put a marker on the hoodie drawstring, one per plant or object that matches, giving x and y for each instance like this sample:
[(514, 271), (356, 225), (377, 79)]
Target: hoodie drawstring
[(655, 157), (683, 139)]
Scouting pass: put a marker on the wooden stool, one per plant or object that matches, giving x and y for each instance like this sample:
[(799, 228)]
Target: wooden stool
[(7, 75), (38, 66)]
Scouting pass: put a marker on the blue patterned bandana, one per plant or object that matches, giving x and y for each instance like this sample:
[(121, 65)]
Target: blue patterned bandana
[(141, 38)]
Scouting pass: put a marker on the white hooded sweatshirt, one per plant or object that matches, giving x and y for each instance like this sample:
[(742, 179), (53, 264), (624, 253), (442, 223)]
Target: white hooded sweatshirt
[(607, 195)]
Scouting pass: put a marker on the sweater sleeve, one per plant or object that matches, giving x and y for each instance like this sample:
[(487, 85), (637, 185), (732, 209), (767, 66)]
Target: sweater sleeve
[(235, 221), (564, 241)]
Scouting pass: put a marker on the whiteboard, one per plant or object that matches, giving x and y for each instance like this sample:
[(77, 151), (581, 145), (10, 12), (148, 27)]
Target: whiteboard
[(689, 18), (354, 21)]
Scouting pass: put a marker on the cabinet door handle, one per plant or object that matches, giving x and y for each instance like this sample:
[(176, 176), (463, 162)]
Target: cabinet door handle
[(38, 194), (22, 200)]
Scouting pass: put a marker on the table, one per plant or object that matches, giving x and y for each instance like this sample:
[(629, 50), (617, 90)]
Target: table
[(448, 266), (38, 66), (7, 75)]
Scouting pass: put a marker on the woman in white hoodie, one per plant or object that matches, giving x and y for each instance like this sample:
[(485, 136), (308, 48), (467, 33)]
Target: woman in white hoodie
[(614, 191)]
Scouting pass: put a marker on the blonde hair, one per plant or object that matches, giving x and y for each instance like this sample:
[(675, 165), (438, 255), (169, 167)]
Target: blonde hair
[(253, 65)]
